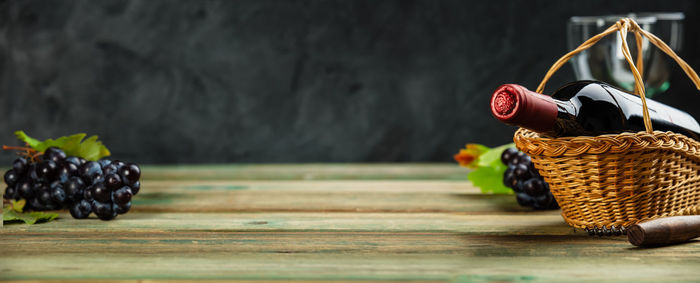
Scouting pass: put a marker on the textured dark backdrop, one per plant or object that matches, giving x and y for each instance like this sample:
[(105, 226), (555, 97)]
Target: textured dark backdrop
[(286, 81)]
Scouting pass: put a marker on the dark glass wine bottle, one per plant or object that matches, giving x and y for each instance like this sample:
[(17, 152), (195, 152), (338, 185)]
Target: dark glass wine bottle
[(586, 108)]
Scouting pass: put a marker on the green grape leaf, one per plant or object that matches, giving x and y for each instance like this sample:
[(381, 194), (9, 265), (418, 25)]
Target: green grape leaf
[(490, 179), (74, 145), (12, 213), (492, 157)]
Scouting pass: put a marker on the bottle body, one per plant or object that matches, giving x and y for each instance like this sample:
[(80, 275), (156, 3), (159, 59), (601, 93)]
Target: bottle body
[(586, 108)]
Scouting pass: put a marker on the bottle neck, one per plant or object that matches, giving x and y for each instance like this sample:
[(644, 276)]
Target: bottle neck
[(516, 105)]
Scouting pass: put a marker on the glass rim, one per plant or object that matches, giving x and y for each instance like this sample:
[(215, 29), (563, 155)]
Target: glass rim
[(642, 18)]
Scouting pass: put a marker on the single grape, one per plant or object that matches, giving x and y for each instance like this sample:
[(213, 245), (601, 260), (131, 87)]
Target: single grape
[(123, 195), (524, 199), (134, 172), (20, 166), (58, 195), (104, 162), (534, 187), (123, 208), (103, 210), (87, 194), (82, 160), (67, 170), (119, 164), (101, 193), (508, 154), (73, 160), (74, 188), (515, 160), (46, 170), (54, 154), (519, 185), (89, 170), (35, 204), (24, 189), (521, 172), (45, 198), (113, 181), (97, 178), (11, 177), (136, 187), (525, 160), (110, 169), (81, 209), (10, 193), (509, 177)]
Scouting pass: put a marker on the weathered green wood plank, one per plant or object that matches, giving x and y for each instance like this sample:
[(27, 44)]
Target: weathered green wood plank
[(355, 196), (535, 223), (341, 246), (312, 171), (330, 246)]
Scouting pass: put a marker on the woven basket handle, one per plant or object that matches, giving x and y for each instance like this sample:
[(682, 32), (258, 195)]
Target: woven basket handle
[(622, 27)]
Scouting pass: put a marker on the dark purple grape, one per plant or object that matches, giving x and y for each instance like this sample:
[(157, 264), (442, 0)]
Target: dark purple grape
[(123, 208), (73, 160), (45, 198), (521, 172), (113, 181), (98, 178), (136, 187), (82, 160), (118, 163), (24, 189), (31, 172), (534, 187), (74, 188), (130, 173), (10, 193), (89, 170), (46, 170), (103, 210), (58, 195), (81, 209), (20, 166), (67, 170), (11, 177), (524, 159), (509, 177), (109, 169), (54, 154), (519, 185), (35, 204), (123, 195), (104, 162), (515, 160), (101, 193), (524, 199), (87, 194), (508, 154)]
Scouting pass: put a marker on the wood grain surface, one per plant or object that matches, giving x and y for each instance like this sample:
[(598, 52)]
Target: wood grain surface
[(418, 222)]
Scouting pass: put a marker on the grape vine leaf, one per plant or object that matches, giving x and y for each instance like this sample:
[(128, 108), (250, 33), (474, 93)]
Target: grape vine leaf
[(13, 213), (488, 175), (489, 179), (74, 145)]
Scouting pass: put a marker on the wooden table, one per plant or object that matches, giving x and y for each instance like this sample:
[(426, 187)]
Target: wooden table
[(384, 222)]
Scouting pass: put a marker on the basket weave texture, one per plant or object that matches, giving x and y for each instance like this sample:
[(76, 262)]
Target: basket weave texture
[(621, 179)]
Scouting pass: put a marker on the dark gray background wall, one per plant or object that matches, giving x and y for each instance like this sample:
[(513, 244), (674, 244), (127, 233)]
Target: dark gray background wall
[(286, 81)]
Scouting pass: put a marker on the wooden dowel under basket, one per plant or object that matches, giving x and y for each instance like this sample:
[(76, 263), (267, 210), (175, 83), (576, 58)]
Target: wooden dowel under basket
[(613, 181)]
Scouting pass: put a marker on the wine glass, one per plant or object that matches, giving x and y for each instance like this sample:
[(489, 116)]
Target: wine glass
[(604, 60)]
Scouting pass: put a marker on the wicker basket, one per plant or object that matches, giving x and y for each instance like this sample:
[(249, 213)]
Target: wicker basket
[(613, 181)]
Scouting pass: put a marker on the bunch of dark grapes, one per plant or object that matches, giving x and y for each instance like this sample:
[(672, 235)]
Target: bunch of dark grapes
[(530, 188), (55, 181)]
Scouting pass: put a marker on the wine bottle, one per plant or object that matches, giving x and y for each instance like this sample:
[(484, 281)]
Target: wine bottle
[(586, 108)]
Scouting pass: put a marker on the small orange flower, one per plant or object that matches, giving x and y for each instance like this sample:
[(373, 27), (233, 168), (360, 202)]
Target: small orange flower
[(466, 156)]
